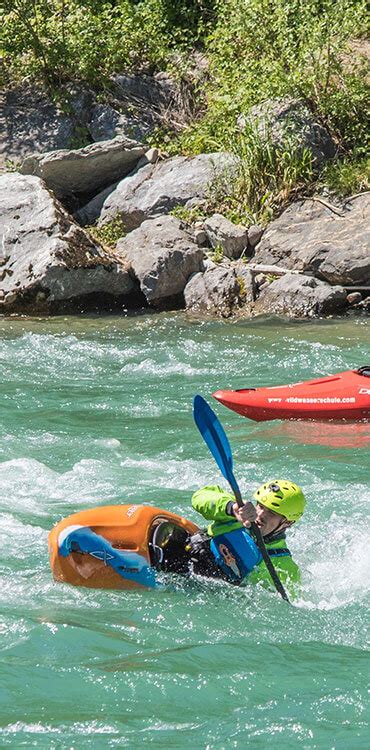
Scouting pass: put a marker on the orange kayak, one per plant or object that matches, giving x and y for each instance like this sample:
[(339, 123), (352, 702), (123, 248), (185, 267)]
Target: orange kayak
[(344, 396), (111, 547)]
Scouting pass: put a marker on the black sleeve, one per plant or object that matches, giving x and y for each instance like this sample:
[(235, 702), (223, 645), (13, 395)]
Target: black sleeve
[(229, 508)]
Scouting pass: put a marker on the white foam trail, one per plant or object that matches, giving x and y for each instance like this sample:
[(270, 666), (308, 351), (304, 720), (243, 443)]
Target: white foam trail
[(334, 557)]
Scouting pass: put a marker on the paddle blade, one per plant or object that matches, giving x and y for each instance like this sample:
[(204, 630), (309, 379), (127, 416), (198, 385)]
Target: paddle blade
[(214, 436)]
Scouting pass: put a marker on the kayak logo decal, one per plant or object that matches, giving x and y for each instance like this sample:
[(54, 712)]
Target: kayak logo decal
[(103, 555), (364, 391), (322, 400), (131, 510)]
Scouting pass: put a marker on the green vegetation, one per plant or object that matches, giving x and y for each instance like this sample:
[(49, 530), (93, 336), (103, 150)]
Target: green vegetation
[(266, 180), (90, 39), (217, 254), (308, 49), (262, 49), (189, 215), (314, 50), (108, 234), (346, 176)]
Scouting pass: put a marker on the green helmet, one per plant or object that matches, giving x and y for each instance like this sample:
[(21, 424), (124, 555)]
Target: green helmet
[(283, 497)]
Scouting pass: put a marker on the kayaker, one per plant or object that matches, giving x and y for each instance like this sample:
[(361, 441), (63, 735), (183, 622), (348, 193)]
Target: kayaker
[(227, 549), (122, 546), (280, 503)]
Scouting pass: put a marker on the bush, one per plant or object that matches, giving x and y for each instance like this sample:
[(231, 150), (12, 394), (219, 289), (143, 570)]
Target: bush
[(257, 50), (91, 39), (267, 178), (263, 49)]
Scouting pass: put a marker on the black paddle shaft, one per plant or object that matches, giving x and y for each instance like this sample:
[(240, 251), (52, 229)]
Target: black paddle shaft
[(215, 437), (262, 548), (266, 557)]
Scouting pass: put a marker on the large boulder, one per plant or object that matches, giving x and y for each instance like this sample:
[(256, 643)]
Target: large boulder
[(289, 122), (332, 244), (48, 262), (88, 213), (85, 170), (300, 297), (155, 189), (33, 123), (162, 256), (219, 290), (232, 238)]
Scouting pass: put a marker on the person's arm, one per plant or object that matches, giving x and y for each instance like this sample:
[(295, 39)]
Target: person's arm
[(213, 503)]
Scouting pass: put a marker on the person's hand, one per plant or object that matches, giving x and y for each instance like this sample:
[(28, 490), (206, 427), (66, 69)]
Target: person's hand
[(246, 514)]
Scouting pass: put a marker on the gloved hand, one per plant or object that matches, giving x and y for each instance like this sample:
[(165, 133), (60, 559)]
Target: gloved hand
[(247, 514), (199, 544)]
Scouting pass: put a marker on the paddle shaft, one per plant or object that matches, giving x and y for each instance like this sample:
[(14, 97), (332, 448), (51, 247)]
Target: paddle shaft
[(215, 438)]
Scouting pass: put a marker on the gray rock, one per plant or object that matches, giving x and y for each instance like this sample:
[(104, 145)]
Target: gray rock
[(310, 237), (217, 291), (162, 256), (151, 156), (300, 296), (156, 189), (247, 284), (354, 298), (154, 93), (90, 212), (137, 105), (106, 123), (85, 170), (233, 238), (200, 237), (87, 214), (47, 259), (255, 233), (287, 122), (31, 123)]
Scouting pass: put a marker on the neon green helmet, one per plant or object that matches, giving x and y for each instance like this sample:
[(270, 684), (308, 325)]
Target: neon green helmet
[(283, 497)]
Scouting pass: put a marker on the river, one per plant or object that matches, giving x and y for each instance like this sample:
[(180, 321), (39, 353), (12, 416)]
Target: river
[(97, 411)]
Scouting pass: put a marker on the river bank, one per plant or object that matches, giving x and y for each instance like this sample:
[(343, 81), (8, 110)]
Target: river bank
[(137, 180)]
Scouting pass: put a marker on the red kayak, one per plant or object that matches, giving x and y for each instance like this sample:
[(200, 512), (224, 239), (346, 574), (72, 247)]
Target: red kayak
[(343, 396)]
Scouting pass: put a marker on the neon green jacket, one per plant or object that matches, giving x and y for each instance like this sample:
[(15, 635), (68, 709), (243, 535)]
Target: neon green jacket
[(211, 502)]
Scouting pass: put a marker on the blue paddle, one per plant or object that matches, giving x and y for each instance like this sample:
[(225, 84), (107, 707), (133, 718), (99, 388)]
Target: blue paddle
[(214, 436)]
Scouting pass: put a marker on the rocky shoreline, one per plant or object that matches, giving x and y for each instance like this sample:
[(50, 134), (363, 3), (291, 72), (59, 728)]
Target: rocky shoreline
[(313, 260)]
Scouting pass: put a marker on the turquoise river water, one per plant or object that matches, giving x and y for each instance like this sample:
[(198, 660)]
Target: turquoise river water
[(97, 411)]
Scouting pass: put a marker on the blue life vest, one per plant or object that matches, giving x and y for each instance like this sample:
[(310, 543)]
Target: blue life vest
[(236, 553), (128, 565)]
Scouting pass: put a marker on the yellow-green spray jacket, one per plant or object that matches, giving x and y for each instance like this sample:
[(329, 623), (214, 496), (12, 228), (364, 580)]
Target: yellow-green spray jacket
[(212, 503)]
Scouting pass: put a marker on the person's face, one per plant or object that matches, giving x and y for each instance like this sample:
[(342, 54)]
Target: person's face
[(269, 521)]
